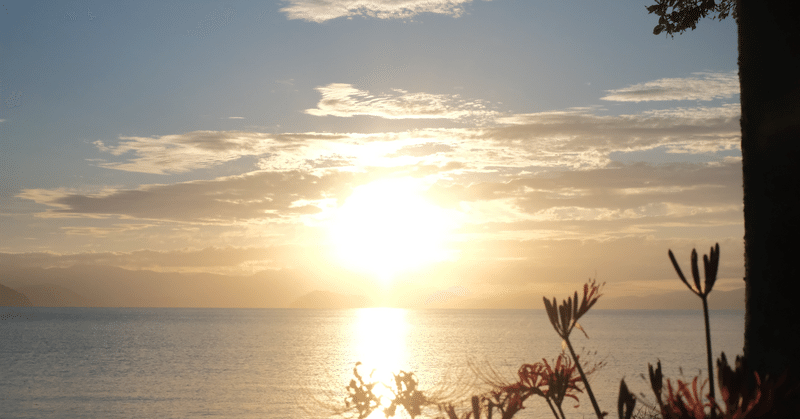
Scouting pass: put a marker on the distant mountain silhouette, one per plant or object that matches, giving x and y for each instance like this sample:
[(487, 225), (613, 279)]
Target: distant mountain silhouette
[(675, 300), (10, 297), (678, 300), (104, 286), (49, 295), (327, 299)]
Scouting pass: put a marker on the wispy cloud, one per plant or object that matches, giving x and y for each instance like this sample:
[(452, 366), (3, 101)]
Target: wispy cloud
[(315, 166), (102, 231), (604, 202), (580, 138), (183, 152), (322, 10), (344, 100), (616, 191), (525, 174), (702, 86), (253, 196)]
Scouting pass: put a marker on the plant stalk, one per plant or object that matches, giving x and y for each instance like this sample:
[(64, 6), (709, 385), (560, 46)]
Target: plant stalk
[(585, 380), (563, 416), (549, 403), (704, 297)]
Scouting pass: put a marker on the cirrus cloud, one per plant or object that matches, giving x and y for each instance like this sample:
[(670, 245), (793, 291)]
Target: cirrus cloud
[(180, 153), (228, 200), (579, 138), (301, 171), (322, 10), (345, 100), (702, 86)]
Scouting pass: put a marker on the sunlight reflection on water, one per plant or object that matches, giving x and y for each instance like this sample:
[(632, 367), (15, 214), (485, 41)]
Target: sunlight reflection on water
[(380, 346), (381, 338)]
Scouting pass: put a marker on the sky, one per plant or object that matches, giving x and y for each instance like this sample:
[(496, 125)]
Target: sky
[(403, 150)]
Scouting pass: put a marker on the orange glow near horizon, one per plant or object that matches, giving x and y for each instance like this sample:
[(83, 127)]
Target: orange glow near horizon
[(386, 227)]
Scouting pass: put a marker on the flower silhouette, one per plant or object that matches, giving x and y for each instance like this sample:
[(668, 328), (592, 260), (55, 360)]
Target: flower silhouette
[(710, 265), (565, 317)]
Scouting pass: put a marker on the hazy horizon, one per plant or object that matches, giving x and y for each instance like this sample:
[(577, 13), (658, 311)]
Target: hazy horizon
[(435, 152)]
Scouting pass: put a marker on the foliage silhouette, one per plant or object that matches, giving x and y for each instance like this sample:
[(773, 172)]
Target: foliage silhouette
[(742, 397), (626, 401), (676, 16)]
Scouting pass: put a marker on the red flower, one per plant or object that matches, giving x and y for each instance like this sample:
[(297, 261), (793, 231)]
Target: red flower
[(684, 403)]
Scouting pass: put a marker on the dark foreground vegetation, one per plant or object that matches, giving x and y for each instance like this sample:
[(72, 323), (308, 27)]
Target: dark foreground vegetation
[(743, 393)]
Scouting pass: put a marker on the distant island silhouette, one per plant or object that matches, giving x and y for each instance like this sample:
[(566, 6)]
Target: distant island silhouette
[(102, 286), (10, 297), (673, 300)]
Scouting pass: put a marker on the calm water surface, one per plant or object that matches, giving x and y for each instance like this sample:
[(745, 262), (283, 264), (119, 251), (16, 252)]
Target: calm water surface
[(270, 363)]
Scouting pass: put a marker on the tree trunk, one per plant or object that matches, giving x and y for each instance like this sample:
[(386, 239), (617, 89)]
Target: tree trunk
[(769, 73)]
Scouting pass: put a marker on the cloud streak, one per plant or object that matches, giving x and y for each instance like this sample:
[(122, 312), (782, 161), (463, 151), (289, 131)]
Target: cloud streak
[(702, 86), (344, 100), (322, 10), (581, 138), (512, 177), (183, 152), (570, 138), (259, 196), (511, 162)]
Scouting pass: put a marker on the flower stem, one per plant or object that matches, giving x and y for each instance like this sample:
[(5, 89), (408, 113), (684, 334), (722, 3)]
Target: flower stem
[(549, 403), (563, 416), (704, 297), (585, 380)]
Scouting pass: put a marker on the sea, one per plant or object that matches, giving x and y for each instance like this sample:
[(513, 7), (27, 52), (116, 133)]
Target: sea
[(297, 363)]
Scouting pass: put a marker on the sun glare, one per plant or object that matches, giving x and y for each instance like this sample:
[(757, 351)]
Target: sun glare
[(386, 227), (380, 346)]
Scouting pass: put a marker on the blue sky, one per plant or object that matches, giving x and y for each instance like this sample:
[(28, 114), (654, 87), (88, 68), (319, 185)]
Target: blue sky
[(537, 129)]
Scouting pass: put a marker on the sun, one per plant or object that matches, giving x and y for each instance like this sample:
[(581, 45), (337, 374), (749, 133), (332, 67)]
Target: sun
[(386, 227)]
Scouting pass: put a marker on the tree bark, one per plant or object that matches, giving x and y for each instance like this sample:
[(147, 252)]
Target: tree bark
[(769, 74)]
